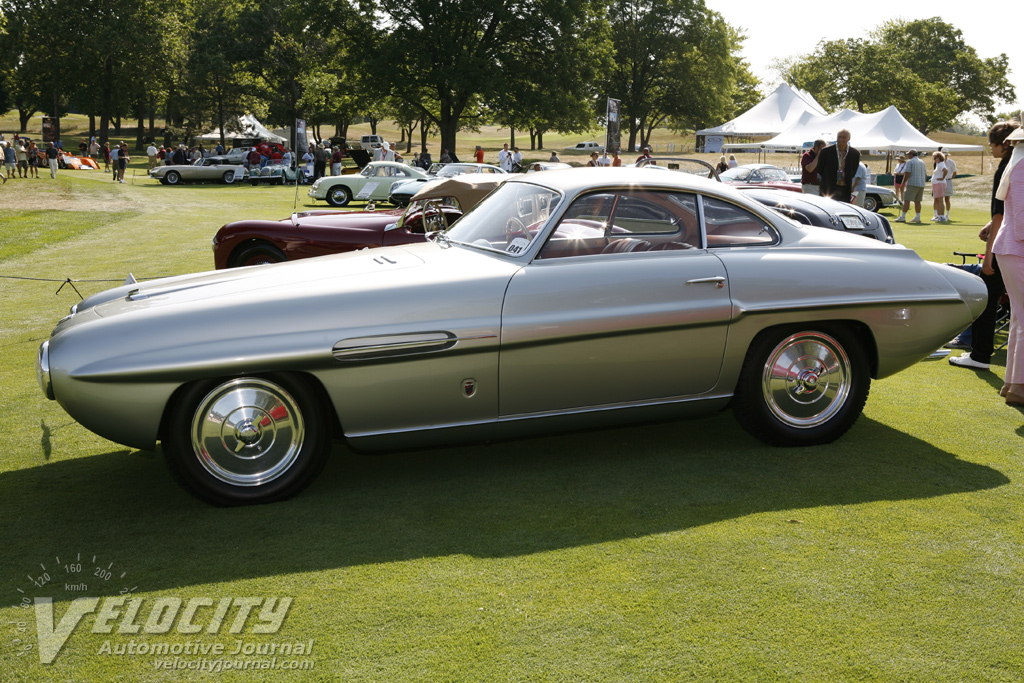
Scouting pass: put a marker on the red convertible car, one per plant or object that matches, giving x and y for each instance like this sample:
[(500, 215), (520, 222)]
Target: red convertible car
[(316, 233)]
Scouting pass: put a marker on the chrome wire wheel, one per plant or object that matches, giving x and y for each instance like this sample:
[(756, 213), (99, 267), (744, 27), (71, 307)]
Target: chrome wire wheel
[(247, 432), (806, 380)]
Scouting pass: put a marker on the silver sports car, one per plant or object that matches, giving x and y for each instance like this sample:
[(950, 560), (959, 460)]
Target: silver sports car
[(564, 300)]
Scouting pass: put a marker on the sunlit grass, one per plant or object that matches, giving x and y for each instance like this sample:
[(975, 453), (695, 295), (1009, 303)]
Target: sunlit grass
[(670, 552)]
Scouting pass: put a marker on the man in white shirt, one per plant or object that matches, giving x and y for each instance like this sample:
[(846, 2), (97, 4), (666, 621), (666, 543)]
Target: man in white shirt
[(860, 184), (517, 159), (505, 159), (151, 153)]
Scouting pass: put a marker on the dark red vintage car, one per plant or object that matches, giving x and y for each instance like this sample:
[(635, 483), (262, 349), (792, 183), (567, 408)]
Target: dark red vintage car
[(316, 233)]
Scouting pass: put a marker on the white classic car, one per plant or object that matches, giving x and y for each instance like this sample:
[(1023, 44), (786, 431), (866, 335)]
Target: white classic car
[(372, 184)]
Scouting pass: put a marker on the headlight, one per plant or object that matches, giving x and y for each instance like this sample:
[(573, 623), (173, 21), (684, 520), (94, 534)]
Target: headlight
[(43, 369)]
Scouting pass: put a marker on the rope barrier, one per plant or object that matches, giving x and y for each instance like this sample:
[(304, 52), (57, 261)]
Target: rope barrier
[(71, 281)]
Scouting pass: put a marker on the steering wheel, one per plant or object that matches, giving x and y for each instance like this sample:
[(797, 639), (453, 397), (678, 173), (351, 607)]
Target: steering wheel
[(433, 217), (514, 227)]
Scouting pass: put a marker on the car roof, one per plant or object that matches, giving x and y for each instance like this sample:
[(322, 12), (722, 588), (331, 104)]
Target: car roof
[(468, 188), (576, 180)]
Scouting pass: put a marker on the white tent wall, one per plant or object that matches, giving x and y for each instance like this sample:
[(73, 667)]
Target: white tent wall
[(885, 130)]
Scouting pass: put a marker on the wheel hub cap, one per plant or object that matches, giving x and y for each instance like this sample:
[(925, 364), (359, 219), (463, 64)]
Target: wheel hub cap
[(247, 432), (807, 379)]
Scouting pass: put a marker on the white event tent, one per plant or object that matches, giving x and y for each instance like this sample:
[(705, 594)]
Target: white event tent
[(248, 127), (772, 115), (885, 130)]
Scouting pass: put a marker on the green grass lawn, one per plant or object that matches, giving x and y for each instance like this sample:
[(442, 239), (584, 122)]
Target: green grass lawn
[(671, 552)]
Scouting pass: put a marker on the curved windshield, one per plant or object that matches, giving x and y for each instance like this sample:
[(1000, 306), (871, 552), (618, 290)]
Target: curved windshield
[(452, 170), (509, 220)]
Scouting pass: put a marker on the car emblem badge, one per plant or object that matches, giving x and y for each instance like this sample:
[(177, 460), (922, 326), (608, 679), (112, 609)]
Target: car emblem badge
[(468, 387)]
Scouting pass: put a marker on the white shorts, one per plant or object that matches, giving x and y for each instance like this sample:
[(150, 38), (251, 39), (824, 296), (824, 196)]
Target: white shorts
[(949, 187)]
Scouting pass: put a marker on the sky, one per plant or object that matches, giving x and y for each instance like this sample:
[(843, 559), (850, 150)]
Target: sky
[(790, 28)]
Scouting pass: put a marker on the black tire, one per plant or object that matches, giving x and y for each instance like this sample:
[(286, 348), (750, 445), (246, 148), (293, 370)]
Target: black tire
[(228, 177), (263, 439), (872, 202), (338, 196), (173, 178), (256, 255), (802, 386)]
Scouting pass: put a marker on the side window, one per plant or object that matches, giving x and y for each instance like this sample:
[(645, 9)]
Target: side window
[(728, 225), (625, 222)]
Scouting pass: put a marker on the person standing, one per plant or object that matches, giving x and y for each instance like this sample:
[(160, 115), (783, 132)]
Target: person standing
[(837, 166), (860, 185), (51, 159), (151, 152), (308, 161), (21, 153), (732, 163), (646, 154), (616, 161), (505, 159), (554, 157), (122, 162), (897, 177), (939, 173), (914, 178), (593, 163), (33, 159), (1008, 246), (517, 160), (336, 158), (951, 173), (94, 148), (479, 154), (10, 159), (983, 329), (808, 168), (320, 158), (605, 160)]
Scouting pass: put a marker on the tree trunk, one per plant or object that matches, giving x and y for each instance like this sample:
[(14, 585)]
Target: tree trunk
[(540, 139), (533, 138), (424, 127), (140, 111), (373, 125), (511, 137), (92, 126), (24, 116), (152, 118)]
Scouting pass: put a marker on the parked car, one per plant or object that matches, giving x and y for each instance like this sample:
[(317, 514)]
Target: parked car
[(373, 183), (807, 209), (773, 177), (564, 300), (823, 212), (315, 233), (546, 166), (587, 147), (212, 168), (274, 174), (402, 192)]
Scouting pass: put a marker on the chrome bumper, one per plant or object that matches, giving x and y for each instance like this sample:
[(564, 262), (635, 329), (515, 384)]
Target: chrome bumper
[(43, 370)]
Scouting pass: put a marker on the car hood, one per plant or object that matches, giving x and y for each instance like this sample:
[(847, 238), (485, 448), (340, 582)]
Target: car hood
[(416, 266)]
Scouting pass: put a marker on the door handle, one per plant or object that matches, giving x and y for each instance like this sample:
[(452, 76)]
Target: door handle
[(717, 281)]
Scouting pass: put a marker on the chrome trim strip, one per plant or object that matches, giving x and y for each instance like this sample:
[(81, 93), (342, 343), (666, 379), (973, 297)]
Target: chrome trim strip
[(551, 413), (767, 308), (391, 345)]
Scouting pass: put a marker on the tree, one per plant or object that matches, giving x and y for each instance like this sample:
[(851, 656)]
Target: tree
[(673, 59), (456, 54), (923, 66)]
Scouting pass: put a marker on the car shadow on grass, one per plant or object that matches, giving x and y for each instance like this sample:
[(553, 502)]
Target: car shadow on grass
[(488, 500)]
